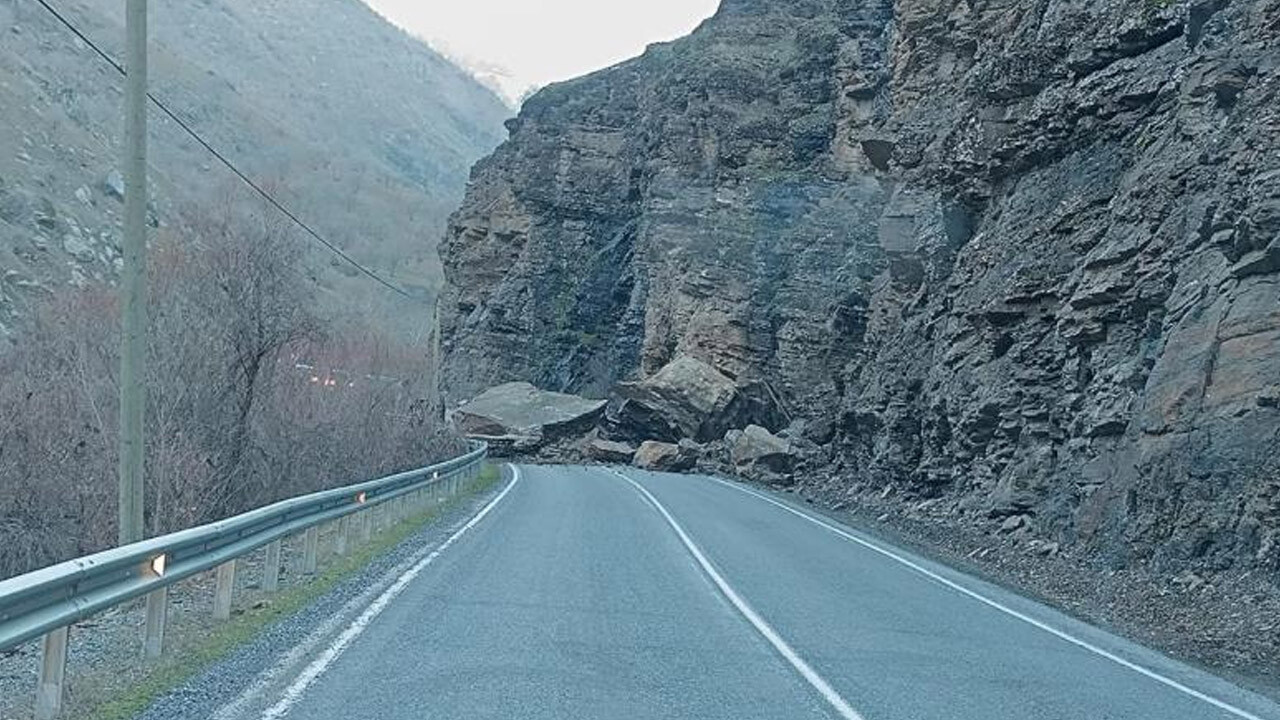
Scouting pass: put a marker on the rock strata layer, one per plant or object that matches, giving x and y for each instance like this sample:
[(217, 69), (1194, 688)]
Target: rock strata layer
[(1020, 258)]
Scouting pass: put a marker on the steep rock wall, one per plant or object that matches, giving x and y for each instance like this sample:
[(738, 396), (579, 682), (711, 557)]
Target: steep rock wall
[(1024, 257)]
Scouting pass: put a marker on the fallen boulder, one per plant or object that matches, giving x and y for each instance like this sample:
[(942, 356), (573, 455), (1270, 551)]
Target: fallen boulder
[(688, 398), (662, 456), (758, 454), (608, 451), (526, 416)]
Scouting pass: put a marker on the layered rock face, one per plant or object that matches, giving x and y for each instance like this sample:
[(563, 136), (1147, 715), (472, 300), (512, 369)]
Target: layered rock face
[(1024, 257)]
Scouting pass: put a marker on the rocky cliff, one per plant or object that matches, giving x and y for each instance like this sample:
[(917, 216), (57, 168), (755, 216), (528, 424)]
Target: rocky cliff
[(1023, 258)]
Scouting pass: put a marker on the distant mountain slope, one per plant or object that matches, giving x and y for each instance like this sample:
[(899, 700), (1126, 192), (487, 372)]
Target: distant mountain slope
[(367, 133)]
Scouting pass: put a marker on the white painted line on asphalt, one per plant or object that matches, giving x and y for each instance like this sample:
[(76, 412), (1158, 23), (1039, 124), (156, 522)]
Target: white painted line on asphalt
[(238, 707), (312, 672), (824, 688), (1061, 634)]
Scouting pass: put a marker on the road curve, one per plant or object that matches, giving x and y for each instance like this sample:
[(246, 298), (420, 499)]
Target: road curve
[(594, 593)]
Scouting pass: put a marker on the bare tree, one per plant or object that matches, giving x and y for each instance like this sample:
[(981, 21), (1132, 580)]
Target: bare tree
[(252, 396)]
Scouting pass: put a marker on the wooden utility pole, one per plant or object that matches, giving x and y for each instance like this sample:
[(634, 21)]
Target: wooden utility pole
[(133, 279)]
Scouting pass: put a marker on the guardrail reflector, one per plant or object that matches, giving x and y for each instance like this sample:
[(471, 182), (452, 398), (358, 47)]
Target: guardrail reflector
[(360, 498), (157, 565)]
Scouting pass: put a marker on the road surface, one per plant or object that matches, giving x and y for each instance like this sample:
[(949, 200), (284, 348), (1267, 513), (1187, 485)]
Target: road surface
[(593, 593)]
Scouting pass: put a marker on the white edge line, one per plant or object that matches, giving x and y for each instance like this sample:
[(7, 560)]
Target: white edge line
[(312, 672), (236, 707), (824, 688), (1085, 644)]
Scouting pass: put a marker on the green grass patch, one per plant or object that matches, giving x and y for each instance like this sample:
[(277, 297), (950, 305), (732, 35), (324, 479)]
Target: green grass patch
[(187, 657)]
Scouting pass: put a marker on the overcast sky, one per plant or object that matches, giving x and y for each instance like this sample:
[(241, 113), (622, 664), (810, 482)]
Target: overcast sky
[(535, 42)]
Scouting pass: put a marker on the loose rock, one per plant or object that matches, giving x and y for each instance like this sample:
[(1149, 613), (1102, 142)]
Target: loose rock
[(526, 415), (662, 456)]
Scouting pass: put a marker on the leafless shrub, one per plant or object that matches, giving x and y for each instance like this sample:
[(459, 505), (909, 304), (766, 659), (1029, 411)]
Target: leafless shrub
[(251, 397)]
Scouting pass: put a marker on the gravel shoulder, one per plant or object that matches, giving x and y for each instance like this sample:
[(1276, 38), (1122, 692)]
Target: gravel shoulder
[(206, 662)]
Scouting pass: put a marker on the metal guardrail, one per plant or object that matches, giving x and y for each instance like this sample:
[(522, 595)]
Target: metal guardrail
[(45, 602)]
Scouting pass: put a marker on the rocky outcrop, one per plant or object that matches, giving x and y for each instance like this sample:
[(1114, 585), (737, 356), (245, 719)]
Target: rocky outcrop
[(1018, 259), (521, 413)]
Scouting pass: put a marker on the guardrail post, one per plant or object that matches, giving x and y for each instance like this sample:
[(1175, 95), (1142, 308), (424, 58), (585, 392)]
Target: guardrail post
[(53, 670), (157, 616), (353, 531), (366, 526), (223, 590), (311, 550), (340, 537), (271, 567)]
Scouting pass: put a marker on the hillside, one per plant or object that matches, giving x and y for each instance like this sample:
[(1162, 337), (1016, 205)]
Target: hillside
[(1011, 270), (363, 131)]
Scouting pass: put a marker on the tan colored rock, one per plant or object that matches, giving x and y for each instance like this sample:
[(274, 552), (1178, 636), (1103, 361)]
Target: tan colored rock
[(654, 455), (609, 451), (679, 401), (689, 398), (761, 455)]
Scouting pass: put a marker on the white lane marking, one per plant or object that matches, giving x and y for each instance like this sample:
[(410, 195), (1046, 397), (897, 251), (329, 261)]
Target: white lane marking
[(312, 672), (239, 706), (824, 688), (268, 678), (1063, 635)]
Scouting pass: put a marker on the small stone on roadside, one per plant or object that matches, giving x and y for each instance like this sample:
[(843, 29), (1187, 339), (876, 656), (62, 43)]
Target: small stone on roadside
[(1013, 522)]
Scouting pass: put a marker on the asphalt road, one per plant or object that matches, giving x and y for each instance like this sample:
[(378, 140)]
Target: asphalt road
[(584, 593)]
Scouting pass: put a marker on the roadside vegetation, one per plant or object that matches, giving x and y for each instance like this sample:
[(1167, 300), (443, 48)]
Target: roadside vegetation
[(253, 395)]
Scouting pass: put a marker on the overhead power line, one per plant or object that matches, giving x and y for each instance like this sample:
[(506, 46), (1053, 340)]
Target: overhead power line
[(229, 165)]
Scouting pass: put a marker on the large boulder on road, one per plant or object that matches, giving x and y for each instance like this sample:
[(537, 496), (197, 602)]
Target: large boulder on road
[(688, 398), (662, 456), (523, 415), (758, 454), (608, 451)]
